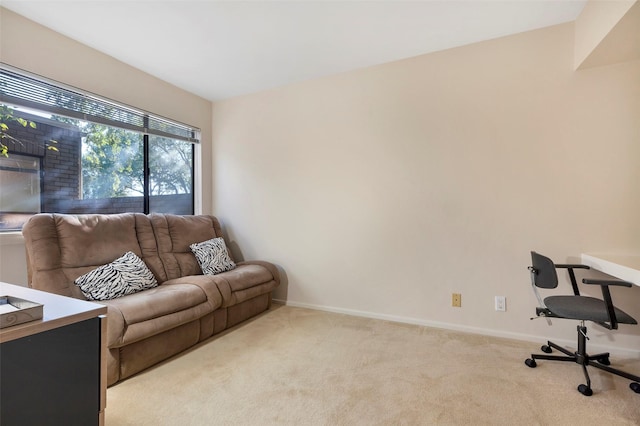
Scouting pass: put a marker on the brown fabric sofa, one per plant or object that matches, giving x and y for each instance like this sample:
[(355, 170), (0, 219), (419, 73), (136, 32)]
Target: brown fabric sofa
[(150, 326)]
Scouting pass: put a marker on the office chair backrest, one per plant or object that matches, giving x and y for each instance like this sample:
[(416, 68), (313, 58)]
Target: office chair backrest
[(544, 271)]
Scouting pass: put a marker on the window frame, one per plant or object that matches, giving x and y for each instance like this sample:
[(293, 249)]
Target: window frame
[(149, 121)]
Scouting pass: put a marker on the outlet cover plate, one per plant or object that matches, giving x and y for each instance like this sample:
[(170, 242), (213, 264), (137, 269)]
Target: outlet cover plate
[(456, 300), (501, 303)]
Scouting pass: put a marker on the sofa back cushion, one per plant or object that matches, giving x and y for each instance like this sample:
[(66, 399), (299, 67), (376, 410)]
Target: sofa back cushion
[(174, 234), (60, 248)]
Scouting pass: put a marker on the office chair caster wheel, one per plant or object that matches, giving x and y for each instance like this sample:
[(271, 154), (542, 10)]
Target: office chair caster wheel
[(546, 349), (635, 387), (604, 361), (530, 363), (585, 390)]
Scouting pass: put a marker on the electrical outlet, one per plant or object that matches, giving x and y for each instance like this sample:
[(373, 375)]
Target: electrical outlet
[(456, 300), (501, 303)]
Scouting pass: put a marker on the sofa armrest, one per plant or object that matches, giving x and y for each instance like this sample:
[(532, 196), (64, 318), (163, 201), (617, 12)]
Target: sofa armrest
[(270, 266)]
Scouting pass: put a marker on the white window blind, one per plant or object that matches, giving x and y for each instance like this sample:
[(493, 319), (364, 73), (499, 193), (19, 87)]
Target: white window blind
[(22, 89)]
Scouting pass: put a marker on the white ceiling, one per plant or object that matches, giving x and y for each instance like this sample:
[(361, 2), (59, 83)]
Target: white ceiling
[(221, 49)]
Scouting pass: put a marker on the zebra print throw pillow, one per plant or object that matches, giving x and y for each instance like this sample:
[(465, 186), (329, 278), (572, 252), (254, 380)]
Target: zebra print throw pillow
[(126, 275), (212, 256)]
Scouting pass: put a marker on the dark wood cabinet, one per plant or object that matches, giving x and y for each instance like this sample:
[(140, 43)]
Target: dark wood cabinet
[(52, 371)]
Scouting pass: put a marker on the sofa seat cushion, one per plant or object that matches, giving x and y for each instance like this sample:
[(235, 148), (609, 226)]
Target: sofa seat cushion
[(247, 280), (137, 316)]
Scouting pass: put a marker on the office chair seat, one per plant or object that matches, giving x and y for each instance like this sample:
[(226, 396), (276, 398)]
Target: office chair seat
[(584, 308)]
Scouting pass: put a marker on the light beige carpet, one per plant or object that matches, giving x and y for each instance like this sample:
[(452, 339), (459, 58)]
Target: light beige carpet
[(295, 366)]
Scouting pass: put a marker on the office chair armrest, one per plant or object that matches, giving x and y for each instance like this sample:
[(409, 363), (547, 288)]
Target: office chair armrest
[(597, 281), (606, 295), (571, 266), (572, 276)]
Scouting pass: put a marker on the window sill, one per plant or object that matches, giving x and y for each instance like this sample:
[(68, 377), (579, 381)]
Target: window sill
[(11, 238)]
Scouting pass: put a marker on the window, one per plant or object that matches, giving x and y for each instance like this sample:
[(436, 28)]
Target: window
[(73, 152), (171, 176)]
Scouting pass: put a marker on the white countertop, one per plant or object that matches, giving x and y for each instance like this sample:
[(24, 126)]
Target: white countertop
[(623, 266), (58, 311)]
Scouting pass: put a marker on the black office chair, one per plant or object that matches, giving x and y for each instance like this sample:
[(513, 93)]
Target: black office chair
[(582, 308)]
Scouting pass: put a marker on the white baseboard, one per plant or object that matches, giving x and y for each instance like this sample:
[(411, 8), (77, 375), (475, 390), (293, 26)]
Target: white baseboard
[(622, 352)]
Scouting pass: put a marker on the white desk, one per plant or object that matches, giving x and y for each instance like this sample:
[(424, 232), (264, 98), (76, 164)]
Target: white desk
[(625, 267)]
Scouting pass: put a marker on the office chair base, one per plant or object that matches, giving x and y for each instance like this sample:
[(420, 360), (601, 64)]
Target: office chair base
[(583, 359)]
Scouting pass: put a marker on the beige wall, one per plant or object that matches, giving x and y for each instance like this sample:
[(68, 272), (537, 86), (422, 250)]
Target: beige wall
[(382, 191), (607, 32), (32, 47)]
